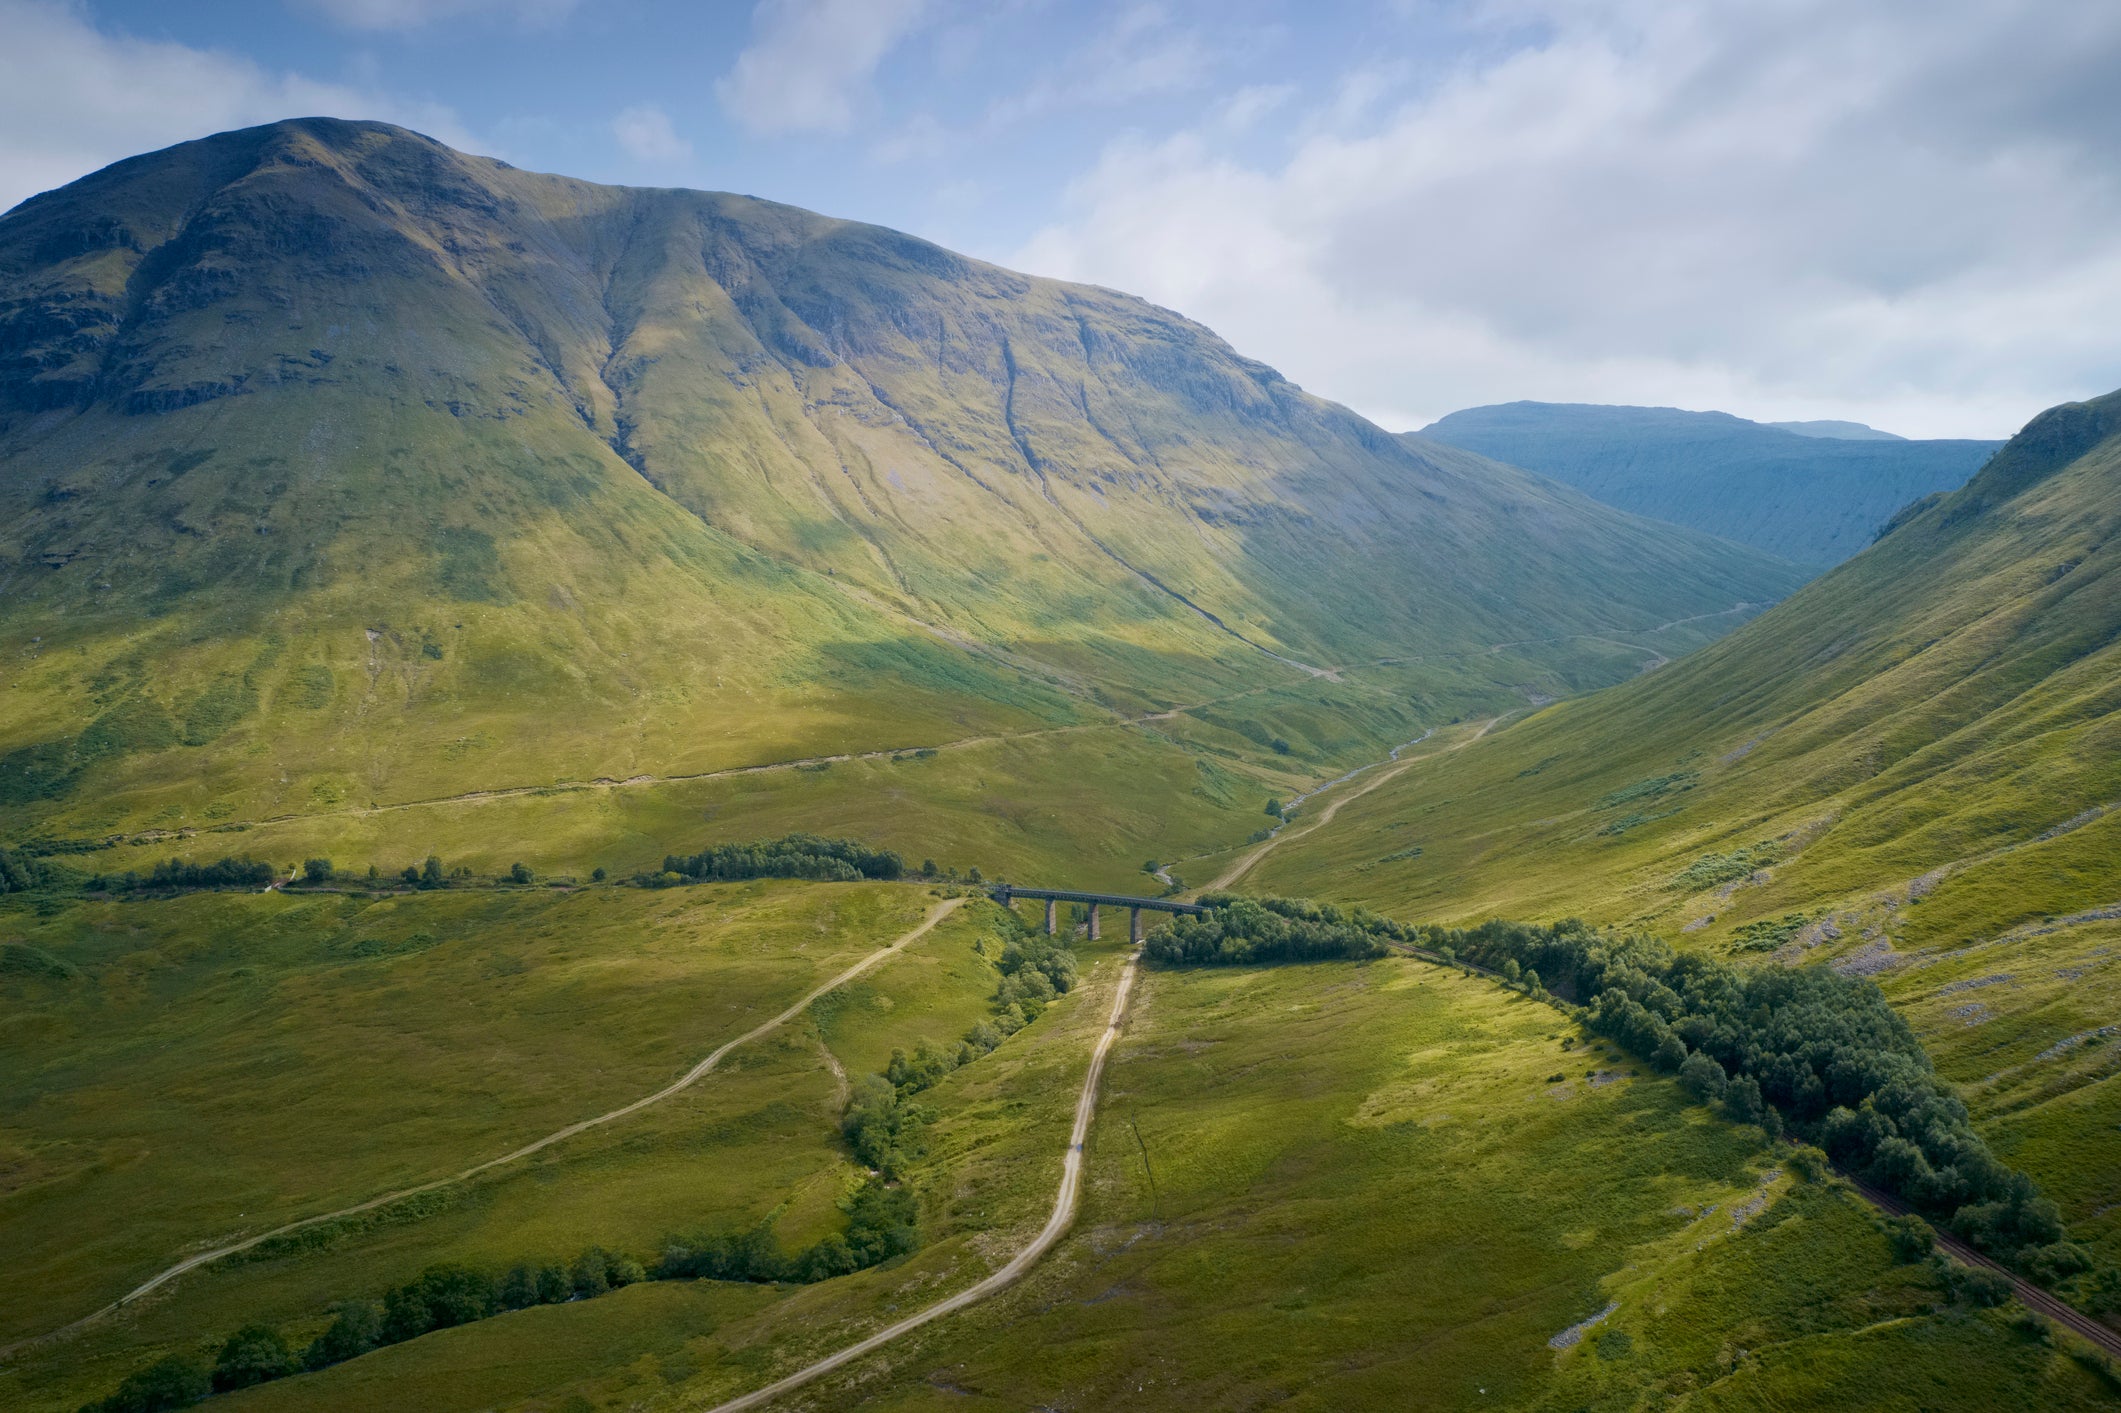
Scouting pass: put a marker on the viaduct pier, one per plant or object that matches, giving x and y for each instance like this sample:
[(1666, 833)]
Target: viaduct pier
[(1008, 893)]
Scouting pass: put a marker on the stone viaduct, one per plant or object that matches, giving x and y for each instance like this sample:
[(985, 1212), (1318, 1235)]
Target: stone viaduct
[(1008, 893)]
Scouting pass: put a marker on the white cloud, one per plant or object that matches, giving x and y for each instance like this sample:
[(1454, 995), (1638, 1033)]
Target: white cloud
[(810, 62), (73, 99), (1142, 54), (416, 14), (1901, 212), (645, 134)]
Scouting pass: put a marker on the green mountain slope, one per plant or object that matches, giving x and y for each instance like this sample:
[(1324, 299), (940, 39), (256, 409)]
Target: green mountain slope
[(1910, 768), (341, 469), (1812, 492)]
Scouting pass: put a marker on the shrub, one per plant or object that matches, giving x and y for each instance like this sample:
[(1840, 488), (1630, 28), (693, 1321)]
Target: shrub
[(171, 1382), (2100, 1292), (590, 1276), (1712, 869), (884, 1132), (252, 1355), (555, 1286), (518, 1290), (1910, 1238), (19, 873), (1979, 1286), (1704, 1078), (1808, 1162), (356, 1328), (2054, 1263), (439, 1298), (317, 870), (518, 873)]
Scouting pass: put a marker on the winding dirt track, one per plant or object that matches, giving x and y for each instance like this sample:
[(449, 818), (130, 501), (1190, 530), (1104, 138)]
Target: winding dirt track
[(1064, 1204), (1067, 1198), (685, 1081), (1245, 862)]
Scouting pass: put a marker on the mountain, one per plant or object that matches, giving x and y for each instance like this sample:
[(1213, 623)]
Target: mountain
[(341, 471), (1910, 768), (1836, 431), (1815, 492)]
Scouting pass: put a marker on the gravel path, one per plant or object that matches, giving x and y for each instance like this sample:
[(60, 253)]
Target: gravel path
[(1064, 1204), (685, 1081)]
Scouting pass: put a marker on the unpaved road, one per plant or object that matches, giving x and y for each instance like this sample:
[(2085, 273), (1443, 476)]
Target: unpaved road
[(1246, 861), (1066, 1199), (512, 792), (1064, 1204), (685, 1081)]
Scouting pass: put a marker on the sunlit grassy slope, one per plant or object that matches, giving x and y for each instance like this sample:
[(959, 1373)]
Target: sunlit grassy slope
[(1910, 768), (1369, 1191), (340, 469), (218, 1067), (204, 1069)]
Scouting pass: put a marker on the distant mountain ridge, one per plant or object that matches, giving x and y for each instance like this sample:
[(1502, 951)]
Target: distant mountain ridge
[(337, 466), (1836, 430), (1815, 492)]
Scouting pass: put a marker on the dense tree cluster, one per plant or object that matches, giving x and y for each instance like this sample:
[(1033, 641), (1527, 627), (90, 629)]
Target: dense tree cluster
[(1804, 1049), (19, 873), (1242, 931), (180, 874), (883, 1127), (790, 856)]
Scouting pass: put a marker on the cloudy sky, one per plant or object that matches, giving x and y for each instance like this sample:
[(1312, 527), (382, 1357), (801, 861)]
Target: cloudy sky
[(1904, 212)]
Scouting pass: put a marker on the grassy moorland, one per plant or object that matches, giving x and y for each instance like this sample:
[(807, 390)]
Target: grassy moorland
[(214, 1052), (217, 1065), (1089, 800), (1907, 770), (503, 518), (1373, 1184)]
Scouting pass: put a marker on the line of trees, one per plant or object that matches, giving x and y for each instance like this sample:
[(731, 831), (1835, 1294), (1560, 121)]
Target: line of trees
[(882, 1123), (881, 1224), (807, 856), (1248, 931), (1801, 1050), (438, 1298), (175, 874), (1804, 1052)]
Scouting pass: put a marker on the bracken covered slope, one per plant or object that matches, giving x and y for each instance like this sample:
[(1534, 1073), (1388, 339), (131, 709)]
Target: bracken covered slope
[(336, 466)]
